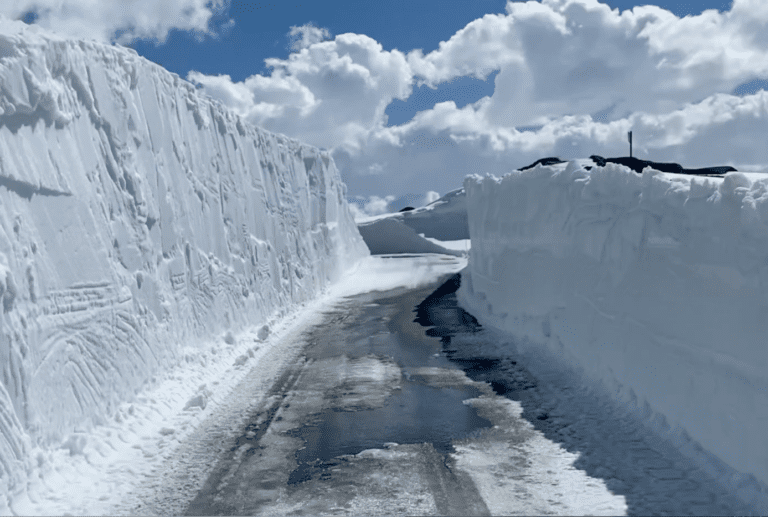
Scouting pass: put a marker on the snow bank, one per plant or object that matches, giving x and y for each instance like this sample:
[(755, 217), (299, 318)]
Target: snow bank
[(655, 284), (389, 235), (137, 218), (444, 219)]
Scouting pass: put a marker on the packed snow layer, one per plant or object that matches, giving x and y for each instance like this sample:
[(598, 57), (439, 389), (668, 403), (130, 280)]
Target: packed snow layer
[(388, 235), (136, 219), (655, 284), (444, 219)]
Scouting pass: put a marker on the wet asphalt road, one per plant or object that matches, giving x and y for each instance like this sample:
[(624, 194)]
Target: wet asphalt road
[(393, 409), (357, 425)]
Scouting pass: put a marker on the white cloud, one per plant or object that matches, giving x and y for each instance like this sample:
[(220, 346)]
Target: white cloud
[(101, 19), (376, 168), (357, 213), (560, 61), (329, 93), (306, 35), (583, 72), (720, 130), (362, 206), (565, 57)]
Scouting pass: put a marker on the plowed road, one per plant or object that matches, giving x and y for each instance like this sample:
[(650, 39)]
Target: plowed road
[(372, 416)]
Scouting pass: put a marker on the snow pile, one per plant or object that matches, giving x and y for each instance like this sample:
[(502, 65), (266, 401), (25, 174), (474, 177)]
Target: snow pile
[(654, 284), (137, 218)]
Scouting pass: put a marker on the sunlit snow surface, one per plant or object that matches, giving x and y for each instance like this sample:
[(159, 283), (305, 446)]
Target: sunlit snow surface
[(137, 220), (655, 284)]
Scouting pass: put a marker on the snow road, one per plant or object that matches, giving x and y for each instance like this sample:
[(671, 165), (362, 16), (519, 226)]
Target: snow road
[(353, 407), (376, 414)]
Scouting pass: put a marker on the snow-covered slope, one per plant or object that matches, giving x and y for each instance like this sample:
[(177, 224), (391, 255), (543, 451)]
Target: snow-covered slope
[(656, 284), (390, 235), (136, 219), (444, 219)]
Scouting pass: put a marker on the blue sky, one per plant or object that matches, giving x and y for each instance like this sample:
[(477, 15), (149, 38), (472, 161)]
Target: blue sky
[(261, 29), (410, 97)]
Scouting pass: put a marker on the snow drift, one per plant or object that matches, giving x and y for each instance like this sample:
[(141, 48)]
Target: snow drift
[(137, 218), (654, 284)]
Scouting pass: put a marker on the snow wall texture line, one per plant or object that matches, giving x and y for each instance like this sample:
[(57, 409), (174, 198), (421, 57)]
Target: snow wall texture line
[(137, 218), (654, 284)]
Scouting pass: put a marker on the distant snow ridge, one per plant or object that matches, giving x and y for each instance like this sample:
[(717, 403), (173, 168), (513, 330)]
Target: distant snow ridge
[(655, 284), (137, 217), (410, 231), (444, 219), (388, 235)]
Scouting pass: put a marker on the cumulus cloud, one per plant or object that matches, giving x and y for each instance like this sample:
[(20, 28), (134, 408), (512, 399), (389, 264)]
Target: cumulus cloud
[(567, 57), (120, 20), (329, 93), (720, 130), (582, 73), (362, 207), (578, 72), (307, 35)]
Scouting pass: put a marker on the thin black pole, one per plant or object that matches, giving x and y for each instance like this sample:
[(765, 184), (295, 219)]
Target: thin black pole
[(630, 144)]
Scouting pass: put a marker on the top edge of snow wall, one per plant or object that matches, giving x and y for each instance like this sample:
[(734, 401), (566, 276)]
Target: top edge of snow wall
[(655, 284), (137, 218)]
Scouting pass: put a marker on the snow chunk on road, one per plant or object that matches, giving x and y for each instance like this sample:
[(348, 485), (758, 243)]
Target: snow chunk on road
[(263, 332)]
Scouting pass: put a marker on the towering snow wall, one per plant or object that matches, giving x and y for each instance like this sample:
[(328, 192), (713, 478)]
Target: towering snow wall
[(655, 284), (137, 217)]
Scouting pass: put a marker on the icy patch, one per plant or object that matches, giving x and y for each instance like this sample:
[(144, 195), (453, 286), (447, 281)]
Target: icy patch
[(457, 245), (359, 383), (380, 273), (440, 377)]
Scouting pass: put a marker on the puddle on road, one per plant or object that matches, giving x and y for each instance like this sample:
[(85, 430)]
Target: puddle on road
[(416, 413)]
